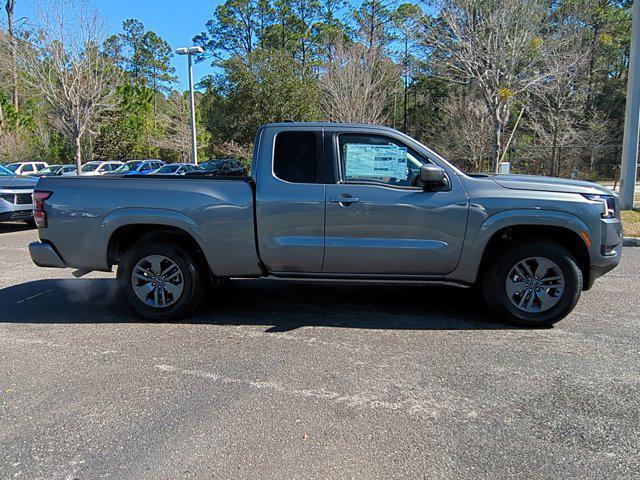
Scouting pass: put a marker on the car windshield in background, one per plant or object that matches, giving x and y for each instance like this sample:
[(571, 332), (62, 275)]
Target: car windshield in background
[(90, 167), (212, 164), (13, 166), (5, 172), (51, 169), (169, 169), (128, 167)]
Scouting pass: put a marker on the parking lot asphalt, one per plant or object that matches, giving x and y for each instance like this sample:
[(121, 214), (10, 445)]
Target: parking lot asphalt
[(271, 380)]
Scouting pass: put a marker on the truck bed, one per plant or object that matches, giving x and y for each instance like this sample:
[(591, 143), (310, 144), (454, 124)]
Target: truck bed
[(218, 212)]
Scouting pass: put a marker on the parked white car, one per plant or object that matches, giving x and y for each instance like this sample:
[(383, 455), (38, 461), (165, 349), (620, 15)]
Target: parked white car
[(99, 168), (55, 171), (67, 170), (16, 196), (26, 168)]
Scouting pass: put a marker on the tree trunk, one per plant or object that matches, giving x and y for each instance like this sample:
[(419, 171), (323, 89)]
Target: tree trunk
[(14, 61), (592, 61), (554, 151), (406, 82), (78, 152), (373, 24)]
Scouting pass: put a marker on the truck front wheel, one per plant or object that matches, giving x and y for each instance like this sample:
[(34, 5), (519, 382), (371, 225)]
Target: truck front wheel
[(161, 281), (533, 284)]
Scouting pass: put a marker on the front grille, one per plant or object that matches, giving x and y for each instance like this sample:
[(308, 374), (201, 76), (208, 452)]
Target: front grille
[(24, 199), (8, 197)]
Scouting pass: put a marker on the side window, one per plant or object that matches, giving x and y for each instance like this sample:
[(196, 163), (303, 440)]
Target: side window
[(145, 167), (296, 157), (378, 159), (27, 168)]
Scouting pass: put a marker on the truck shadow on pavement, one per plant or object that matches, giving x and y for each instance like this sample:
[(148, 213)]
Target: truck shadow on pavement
[(277, 305), (14, 227)]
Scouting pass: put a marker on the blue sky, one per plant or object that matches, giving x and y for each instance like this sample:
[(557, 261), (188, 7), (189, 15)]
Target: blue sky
[(176, 22)]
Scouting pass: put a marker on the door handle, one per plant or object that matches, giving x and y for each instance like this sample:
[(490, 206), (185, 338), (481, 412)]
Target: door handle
[(344, 200)]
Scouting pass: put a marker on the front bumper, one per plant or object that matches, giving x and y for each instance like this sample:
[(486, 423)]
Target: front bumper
[(44, 255), (16, 204), (608, 257), (16, 215)]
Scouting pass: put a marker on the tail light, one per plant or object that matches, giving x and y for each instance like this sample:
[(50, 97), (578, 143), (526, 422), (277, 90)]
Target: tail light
[(39, 215)]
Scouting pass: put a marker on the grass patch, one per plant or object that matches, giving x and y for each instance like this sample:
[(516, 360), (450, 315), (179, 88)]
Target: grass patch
[(631, 222)]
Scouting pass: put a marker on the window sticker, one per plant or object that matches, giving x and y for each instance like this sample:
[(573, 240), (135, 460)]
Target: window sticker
[(375, 161)]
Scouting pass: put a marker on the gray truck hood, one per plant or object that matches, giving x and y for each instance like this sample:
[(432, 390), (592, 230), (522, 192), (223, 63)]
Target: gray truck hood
[(549, 184), (17, 182)]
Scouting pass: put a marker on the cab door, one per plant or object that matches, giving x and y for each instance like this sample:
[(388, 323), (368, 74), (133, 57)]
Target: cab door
[(290, 199), (378, 222)]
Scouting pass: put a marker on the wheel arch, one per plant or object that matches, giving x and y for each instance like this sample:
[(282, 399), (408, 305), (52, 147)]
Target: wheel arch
[(124, 237), (498, 230), (561, 235)]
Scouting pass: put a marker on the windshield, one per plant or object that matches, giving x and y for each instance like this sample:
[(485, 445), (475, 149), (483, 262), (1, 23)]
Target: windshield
[(90, 167), (51, 169), (212, 164), (169, 169), (5, 172), (13, 166), (129, 166)]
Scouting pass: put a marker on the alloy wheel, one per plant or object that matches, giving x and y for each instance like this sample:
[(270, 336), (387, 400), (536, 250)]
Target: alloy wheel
[(535, 284), (157, 281)]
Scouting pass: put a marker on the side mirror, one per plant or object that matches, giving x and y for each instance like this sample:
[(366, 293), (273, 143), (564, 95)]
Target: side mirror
[(432, 177)]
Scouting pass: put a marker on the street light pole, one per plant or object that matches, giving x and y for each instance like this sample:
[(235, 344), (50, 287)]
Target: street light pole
[(188, 52), (628, 170)]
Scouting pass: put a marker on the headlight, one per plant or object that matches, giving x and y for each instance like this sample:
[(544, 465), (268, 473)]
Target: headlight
[(608, 204)]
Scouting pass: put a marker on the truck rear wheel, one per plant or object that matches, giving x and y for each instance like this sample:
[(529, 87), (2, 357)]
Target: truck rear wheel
[(534, 284), (161, 281)]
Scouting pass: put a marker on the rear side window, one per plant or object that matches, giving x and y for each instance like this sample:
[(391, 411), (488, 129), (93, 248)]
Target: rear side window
[(296, 157)]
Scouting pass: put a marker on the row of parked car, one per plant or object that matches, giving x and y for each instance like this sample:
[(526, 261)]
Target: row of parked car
[(18, 180), (220, 166)]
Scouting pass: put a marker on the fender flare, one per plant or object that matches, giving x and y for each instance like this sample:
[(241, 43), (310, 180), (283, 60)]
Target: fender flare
[(475, 244), (150, 216)]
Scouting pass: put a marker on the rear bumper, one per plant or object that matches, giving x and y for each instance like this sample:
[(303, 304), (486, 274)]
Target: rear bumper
[(44, 255)]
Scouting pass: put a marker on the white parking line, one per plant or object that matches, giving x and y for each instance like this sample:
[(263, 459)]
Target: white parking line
[(421, 405), (34, 296)]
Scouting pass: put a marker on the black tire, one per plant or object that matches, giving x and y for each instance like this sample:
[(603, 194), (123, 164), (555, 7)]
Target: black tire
[(31, 222), (193, 275), (499, 266)]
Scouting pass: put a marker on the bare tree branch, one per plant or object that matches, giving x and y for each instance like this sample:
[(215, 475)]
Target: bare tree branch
[(65, 66)]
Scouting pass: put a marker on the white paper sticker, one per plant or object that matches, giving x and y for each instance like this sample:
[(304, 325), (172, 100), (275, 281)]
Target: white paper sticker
[(375, 161)]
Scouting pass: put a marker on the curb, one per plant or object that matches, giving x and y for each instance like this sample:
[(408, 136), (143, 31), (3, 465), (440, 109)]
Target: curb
[(631, 242)]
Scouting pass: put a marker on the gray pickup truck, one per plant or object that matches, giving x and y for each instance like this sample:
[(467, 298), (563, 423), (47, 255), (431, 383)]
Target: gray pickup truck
[(332, 202)]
